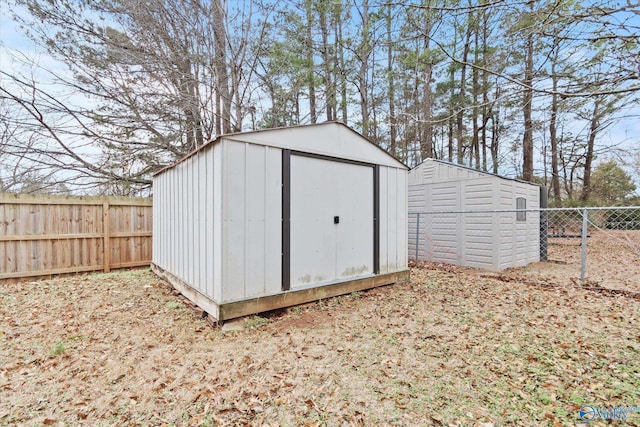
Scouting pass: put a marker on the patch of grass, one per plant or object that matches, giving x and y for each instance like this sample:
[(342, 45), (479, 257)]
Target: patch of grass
[(255, 322), (392, 341), (58, 349), (208, 421), (174, 305), (545, 399)]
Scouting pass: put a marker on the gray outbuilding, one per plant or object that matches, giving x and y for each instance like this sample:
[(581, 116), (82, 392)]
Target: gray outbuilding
[(466, 217), (260, 220)]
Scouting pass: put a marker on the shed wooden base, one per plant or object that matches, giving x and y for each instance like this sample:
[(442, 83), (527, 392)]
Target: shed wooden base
[(285, 299)]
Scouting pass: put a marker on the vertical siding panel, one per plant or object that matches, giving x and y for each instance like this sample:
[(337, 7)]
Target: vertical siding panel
[(236, 251), (402, 219), (385, 220), (218, 220), (195, 221), (210, 196), (181, 250), (155, 188), (273, 239), (188, 220), (192, 219), (392, 238), (175, 226), (169, 205), (203, 256), (159, 220), (245, 224), (156, 231), (266, 222), (178, 248), (162, 216), (255, 211), (185, 253)]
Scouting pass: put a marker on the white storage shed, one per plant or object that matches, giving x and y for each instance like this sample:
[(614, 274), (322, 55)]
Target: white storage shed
[(463, 216), (260, 220)]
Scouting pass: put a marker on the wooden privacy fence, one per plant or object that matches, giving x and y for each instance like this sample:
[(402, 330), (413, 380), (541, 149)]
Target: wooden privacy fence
[(45, 235)]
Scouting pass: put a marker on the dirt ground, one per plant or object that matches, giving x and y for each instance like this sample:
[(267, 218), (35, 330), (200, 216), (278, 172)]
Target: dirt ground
[(453, 347), (612, 260)]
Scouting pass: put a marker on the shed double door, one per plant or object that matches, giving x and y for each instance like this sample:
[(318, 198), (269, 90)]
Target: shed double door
[(332, 220)]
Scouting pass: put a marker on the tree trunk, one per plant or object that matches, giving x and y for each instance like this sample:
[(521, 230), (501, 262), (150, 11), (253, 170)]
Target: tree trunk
[(485, 91), (553, 135), (310, 65), (427, 101), (339, 68), (392, 104), (461, 96), (364, 69), (495, 133), (220, 39), (373, 128), (593, 131), (326, 60), (527, 139), (475, 142)]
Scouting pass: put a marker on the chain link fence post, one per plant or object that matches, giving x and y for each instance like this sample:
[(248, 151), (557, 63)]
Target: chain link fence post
[(585, 225), (544, 204)]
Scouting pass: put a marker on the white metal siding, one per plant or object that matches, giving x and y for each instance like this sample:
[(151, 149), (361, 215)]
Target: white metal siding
[(218, 213), (217, 184), (393, 219), (322, 251), (184, 231), (354, 238), (401, 221), (252, 220), (330, 139)]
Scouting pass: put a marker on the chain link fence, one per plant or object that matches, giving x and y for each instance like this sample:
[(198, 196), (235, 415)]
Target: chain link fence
[(597, 246)]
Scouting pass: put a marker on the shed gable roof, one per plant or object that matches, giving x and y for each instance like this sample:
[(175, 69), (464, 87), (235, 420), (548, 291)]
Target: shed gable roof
[(333, 139), (434, 170)]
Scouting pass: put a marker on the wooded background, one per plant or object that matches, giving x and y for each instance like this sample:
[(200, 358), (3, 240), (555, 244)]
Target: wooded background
[(53, 235), (120, 88)]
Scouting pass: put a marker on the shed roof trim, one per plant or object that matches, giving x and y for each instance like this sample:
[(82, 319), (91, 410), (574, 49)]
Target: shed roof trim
[(444, 162), (237, 135)]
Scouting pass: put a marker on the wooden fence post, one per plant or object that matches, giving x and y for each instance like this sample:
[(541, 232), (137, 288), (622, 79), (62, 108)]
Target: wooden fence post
[(106, 247)]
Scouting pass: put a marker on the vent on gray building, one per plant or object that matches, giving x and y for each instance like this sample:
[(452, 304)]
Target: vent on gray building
[(521, 203)]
